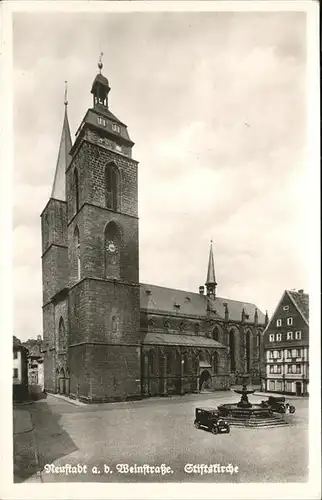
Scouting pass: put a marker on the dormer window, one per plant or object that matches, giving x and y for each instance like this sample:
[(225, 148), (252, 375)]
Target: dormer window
[(101, 121), (116, 128)]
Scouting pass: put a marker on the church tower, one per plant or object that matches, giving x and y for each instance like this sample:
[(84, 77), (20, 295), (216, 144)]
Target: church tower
[(103, 256), (55, 271)]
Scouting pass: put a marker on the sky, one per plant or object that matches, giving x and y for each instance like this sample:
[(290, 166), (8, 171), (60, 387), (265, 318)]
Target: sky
[(216, 104)]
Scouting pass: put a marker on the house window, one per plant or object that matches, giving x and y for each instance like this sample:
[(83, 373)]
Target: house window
[(290, 321), (271, 337), (15, 373), (288, 353), (289, 335), (275, 354), (286, 308), (116, 128), (111, 187), (298, 369), (294, 351), (298, 335), (278, 322), (270, 354), (101, 121), (15, 355), (278, 337), (298, 353)]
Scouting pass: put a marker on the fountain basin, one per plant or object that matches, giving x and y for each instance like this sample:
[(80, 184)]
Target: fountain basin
[(235, 410)]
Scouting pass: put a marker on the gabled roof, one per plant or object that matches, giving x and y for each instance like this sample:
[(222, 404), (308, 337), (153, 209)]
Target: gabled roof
[(172, 301), (301, 302), (63, 159)]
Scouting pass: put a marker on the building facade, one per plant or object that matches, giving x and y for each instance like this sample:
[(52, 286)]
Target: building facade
[(108, 337), (20, 371), (286, 345), (35, 364)]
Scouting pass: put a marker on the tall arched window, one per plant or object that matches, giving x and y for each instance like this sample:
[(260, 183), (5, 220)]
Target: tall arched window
[(62, 335), (112, 250), (215, 362), (215, 333), (111, 187), (77, 252), (247, 350), (232, 351), (76, 190)]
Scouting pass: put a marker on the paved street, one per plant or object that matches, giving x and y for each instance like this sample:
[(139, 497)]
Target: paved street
[(161, 431)]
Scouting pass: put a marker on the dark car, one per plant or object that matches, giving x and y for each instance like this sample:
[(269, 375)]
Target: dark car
[(210, 419), (278, 405)]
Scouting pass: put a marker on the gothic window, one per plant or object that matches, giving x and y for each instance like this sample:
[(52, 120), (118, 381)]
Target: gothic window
[(181, 327), (61, 335), (112, 250), (77, 252), (197, 328), (215, 333), (185, 363), (151, 363), (247, 350), (232, 351), (76, 190), (215, 362), (115, 324), (111, 186), (167, 325)]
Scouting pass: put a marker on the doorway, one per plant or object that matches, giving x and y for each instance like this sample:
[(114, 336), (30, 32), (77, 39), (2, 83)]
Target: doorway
[(298, 388), (205, 381)]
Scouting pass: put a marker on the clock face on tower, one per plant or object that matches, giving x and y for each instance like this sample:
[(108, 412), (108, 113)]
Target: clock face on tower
[(111, 247)]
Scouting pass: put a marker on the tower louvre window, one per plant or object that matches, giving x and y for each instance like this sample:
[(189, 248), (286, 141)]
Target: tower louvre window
[(101, 121), (116, 128)]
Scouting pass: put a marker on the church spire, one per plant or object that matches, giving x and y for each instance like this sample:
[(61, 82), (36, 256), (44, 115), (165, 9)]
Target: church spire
[(58, 190), (211, 278)]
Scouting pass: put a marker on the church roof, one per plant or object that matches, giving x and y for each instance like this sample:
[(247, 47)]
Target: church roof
[(189, 340), (172, 301), (58, 190)]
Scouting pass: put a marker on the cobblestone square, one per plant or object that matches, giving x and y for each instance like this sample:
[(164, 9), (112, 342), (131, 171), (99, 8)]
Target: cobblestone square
[(161, 431)]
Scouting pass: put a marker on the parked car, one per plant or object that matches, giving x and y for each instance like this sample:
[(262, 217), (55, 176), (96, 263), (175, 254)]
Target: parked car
[(278, 405), (210, 419)]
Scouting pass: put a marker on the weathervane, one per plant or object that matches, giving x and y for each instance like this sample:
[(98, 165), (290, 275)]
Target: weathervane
[(100, 64), (65, 96)]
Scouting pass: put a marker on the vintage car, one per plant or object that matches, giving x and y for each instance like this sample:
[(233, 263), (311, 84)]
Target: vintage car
[(278, 405), (210, 419)]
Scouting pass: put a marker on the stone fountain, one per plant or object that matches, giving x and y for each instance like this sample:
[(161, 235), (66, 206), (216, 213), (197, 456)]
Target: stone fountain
[(247, 414)]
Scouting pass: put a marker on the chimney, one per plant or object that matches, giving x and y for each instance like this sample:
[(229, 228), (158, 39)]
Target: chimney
[(202, 290), (301, 290)]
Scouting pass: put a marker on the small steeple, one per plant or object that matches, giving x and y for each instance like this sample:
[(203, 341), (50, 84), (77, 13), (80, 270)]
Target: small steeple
[(211, 279), (100, 87), (266, 318), (58, 190)]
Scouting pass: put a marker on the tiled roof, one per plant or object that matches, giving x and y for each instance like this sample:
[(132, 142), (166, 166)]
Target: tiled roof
[(189, 340), (169, 300), (301, 301)]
